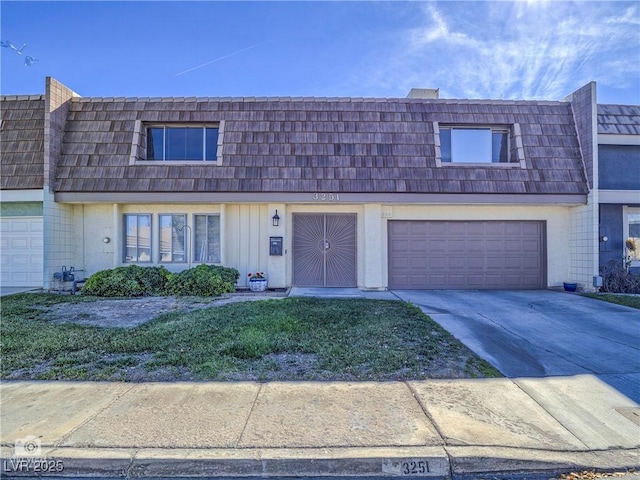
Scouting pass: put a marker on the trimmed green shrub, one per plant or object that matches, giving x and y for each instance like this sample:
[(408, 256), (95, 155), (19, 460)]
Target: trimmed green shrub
[(229, 275), (203, 280), (131, 281), (136, 281)]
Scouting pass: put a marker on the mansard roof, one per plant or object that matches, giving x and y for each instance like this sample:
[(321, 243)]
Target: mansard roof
[(359, 145), (22, 142)]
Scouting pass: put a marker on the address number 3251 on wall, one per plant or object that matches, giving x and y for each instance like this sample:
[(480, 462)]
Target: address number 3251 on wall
[(325, 197), (416, 467)]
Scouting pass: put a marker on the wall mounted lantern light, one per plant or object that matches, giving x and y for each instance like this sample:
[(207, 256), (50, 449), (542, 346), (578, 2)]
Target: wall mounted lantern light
[(106, 240), (276, 219)]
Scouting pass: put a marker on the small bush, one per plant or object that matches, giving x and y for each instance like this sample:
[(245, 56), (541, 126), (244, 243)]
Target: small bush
[(616, 279), (135, 281), (203, 280), (229, 275), (131, 281)]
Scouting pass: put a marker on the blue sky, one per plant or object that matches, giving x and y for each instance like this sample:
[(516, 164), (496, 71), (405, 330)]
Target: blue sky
[(521, 49)]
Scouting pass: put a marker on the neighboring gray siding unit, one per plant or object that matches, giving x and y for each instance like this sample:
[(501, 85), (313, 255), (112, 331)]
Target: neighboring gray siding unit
[(619, 119), (619, 167), (319, 145), (611, 226)]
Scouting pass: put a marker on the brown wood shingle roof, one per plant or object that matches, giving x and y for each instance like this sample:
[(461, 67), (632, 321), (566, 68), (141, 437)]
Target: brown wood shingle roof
[(22, 142), (306, 144)]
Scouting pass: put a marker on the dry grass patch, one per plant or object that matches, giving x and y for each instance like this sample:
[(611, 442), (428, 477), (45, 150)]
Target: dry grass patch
[(277, 339)]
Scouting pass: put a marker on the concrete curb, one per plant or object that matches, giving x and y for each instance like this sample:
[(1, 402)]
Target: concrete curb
[(451, 462)]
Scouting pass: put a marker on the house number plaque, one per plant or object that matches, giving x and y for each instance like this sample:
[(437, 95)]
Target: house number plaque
[(326, 197), (415, 467)]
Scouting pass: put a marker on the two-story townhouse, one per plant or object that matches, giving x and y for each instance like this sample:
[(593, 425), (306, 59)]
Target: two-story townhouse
[(373, 193)]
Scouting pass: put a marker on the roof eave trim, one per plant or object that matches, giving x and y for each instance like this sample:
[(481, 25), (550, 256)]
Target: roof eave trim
[(311, 198), (21, 195), (618, 139)]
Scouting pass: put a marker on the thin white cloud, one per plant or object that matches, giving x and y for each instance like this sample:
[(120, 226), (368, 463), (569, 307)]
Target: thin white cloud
[(515, 49), (221, 58)]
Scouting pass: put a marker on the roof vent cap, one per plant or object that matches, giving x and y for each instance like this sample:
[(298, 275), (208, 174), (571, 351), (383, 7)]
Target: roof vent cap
[(431, 93)]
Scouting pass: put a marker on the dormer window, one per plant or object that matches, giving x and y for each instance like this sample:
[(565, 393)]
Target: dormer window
[(182, 143), (475, 145)]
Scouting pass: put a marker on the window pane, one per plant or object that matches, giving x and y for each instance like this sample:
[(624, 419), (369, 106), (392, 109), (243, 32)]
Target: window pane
[(471, 145), (213, 237), (172, 239), (184, 143), (144, 238), (155, 143), (176, 143), (165, 238), (212, 143), (500, 147), (131, 238), (207, 238), (178, 237), (445, 145), (200, 238), (634, 234), (137, 238), (194, 144)]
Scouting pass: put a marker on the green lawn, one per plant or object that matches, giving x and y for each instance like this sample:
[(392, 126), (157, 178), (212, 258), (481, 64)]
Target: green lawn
[(277, 339), (626, 300)]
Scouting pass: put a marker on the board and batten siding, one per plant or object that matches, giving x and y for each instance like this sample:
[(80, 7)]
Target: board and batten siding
[(246, 229)]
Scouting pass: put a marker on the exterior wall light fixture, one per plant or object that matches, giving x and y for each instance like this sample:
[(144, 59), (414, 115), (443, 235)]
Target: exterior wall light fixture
[(106, 240), (604, 238), (276, 219)]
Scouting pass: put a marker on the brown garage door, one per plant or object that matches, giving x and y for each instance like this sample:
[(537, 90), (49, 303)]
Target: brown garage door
[(466, 255)]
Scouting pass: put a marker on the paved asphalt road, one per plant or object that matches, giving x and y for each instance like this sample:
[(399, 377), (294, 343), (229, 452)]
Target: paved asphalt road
[(542, 333)]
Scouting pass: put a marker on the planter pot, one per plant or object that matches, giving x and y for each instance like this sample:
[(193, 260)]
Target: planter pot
[(570, 287), (258, 285)]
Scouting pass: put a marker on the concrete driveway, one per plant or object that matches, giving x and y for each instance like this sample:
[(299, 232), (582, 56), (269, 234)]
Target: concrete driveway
[(541, 333), (4, 291)]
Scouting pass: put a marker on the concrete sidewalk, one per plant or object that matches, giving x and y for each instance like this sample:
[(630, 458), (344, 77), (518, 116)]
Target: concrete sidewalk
[(497, 428)]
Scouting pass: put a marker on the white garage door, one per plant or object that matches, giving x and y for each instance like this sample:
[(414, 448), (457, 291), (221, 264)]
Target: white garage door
[(21, 242)]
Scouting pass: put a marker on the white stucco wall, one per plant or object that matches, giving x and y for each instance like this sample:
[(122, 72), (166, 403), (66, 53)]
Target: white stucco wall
[(59, 238), (374, 247), (96, 223), (584, 243)]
